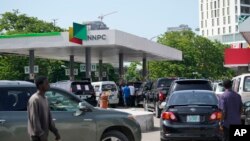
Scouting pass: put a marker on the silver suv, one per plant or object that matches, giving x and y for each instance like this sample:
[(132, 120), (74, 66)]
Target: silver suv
[(75, 119)]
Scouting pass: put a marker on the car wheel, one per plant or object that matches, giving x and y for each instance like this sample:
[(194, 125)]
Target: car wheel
[(114, 136), (113, 105)]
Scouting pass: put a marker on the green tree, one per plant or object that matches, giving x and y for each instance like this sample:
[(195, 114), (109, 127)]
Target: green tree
[(132, 73), (12, 66), (199, 55)]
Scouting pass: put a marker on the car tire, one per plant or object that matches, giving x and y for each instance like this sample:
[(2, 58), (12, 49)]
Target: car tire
[(113, 105), (111, 135)]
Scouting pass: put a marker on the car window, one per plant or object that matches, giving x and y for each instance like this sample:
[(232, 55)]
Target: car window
[(111, 87), (164, 82), (237, 85), (193, 98), (59, 101), (97, 87), (14, 99), (79, 87), (193, 85), (246, 86), (220, 88)]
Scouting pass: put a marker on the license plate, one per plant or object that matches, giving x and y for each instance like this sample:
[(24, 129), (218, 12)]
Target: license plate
[(193, 118)]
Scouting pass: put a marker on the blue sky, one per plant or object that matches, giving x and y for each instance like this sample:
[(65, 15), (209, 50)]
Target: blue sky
[(145, 18)]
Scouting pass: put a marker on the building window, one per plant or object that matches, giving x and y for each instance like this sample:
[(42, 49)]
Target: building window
[(215, 5), (212, 22), (236, 9), (205, 23), (202, 32), (245, 9), (215, 15), (218, 3), (201, 7), (236, 2), (236, 18), (212, 32), (228, 12), (212, 14), (229, 21), (207, 33), (229, 29), (218, 22), (211, 5), (223, 11), (218, 12), (223, 3), (224, 20), (218, 31), (228, 2), (201, 24), (236, 28), (224, 30), (207, 6)]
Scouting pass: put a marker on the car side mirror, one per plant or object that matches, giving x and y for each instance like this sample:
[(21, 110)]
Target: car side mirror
[(83, 107)]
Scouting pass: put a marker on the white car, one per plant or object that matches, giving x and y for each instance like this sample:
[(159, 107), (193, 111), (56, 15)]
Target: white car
[(107, 86), (218, 89)]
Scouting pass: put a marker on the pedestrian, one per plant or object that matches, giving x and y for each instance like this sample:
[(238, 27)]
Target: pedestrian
[(39, 115), (231, 104), (132, 94), (126, 94)]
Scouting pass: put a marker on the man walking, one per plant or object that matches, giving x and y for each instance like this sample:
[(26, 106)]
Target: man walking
[(39, 116), (231, 105)]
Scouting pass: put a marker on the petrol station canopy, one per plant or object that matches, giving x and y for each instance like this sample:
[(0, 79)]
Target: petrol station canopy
[(105, 45)]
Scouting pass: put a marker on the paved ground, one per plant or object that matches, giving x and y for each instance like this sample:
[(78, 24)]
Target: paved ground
[(153, 135)]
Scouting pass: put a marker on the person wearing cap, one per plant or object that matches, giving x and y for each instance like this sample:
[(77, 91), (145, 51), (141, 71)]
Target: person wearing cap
[(231, 105)]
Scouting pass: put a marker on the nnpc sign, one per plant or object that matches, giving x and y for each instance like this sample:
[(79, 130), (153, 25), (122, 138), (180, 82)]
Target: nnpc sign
[(78, 34)]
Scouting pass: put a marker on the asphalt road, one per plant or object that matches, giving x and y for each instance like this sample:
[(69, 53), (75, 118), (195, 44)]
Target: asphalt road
[(153, 135)]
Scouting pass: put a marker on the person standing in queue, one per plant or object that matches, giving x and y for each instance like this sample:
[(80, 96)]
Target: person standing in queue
[(231, 105), (126, 94), (132, 94), (40, 120)]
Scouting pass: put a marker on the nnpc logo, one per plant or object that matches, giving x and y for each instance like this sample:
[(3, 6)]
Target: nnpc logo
[(78, 33)]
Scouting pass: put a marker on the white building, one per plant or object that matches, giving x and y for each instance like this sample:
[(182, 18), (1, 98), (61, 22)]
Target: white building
[(181, 27), (219, 20)]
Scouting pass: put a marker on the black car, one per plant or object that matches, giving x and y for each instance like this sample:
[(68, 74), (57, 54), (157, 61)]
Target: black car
[(141, 93), (83, 89), (191, 115), (157, 95), (190, 84), (246, 113)]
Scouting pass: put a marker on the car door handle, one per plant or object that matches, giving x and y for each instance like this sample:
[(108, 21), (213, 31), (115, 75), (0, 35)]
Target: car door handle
[(2, 121)]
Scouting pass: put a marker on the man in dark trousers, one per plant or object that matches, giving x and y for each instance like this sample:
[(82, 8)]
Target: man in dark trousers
[(231, 104), (39, 116)]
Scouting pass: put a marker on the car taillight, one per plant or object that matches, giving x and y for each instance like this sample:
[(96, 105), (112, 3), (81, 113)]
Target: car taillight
[(168, 116), (216, 116), (161, 96)]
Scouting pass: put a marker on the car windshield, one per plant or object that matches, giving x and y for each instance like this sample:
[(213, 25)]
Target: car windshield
[(193, 98), (81, 87), (106, 87), (247, 84), (164, 82)]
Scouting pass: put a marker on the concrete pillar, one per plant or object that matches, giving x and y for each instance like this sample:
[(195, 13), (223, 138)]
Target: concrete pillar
[(71, 67), (121, 69), (100, 70), (88, 62), (32, 64), (144, 68)]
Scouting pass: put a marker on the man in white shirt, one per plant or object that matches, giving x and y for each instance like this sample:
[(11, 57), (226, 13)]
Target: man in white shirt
[(132, 94)]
